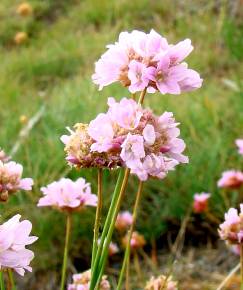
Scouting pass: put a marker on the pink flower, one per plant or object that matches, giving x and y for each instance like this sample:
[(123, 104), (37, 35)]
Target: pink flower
[(239, 143), (14, 236), (139, 60), (200, 203), (161, 282), (67, 194), (137, 241), (231, 179), (149, 134), (124, 220), (3, 156), (100, 129), (11, 179)]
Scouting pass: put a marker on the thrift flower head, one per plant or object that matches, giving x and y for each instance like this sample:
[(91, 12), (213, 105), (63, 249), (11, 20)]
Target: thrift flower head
[(130, 136), (231, 179), (161, 282), (239, 143), (231, 230), (14, 237), (82, 282), (20, 37), (11, 179), (139, 60), (68, 195), (200, 203), (124, 220), (24, 9), (113, 248), (137, 241)]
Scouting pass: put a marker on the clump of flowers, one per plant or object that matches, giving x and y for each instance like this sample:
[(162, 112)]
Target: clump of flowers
[(231, 179), (200, 202), (20, 37), (137, 241), (24, 9), (123, 221), (14, 237), (239, 143), (139, 60), (82, 282), (68, 195), (11, 179), (130, 136), (161, 282), (231, 230)]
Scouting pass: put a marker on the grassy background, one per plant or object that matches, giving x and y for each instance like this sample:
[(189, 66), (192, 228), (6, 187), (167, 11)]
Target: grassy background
[(53, 68)]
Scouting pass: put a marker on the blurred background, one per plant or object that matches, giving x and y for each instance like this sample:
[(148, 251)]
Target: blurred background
[(47, 59)]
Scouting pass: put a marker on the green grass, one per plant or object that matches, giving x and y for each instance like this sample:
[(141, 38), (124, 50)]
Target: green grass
[(54, 68)]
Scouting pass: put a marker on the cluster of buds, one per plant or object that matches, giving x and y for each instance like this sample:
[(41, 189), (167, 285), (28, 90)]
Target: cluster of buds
[(130, 136), (161, 282), (11, 179), (82, 282), (68, 195), (231, 230), (139, 60), (200, 202), (231, 179), (137, 241)]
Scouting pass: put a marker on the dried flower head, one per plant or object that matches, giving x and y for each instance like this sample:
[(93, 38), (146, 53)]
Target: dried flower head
[(231, 179), (24, 9), (200, 202), (139, 60), (124, 220), (82, 282), (161, 282), (68, 195), (231, 230), (20, 37), (14, 237), (137, 241), (11, 179)]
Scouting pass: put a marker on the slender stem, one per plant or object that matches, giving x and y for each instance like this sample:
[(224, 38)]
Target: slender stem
[(228, 277), (11, 279), (141, 97), (128, 245), (66, 248), (97, 217), (2, 286), (241, 266)]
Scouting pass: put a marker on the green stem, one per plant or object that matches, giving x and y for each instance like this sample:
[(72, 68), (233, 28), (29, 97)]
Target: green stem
[(102, 252), (2, 286), (97, 217), (241, 266), (128, 245), (65, 257), (11, 279)]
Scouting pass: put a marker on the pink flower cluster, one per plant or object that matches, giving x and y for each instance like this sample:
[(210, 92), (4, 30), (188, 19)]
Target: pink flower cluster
[(161, 282), (124, 220), (11, 179), (14, 236), (137, 241), (139, 60), (231, 230), (68, 195), (239, 143), (82, 282), (200, 202), (231, 179), (134, 137)]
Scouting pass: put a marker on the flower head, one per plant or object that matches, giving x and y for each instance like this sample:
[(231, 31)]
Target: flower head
[(14, 237), (137, 241), (20, 37), (124, 220), (200, 203), (231, 179), (239, 143), (24, 9), (68, 195), (161, 282), (139, 60), (11, 179), (82, 282)]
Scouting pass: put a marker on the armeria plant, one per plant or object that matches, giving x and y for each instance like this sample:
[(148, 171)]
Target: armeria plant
[(127, 136)]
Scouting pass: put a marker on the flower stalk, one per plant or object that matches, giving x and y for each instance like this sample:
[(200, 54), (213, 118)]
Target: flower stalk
[(11, 280), (241, 266), (2, 286)]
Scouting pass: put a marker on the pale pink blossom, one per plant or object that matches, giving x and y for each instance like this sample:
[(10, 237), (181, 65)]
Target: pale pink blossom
[(161, 282), (3, 156), (137, 241), (11, 179), (68, 195), (200, 202), (14, 237), (231, 179), (124, 220), (239, 143), (149, 134)]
